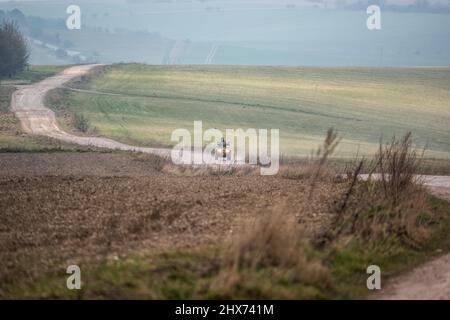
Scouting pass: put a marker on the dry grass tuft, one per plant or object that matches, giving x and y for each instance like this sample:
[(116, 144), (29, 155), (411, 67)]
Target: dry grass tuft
[(274, 241), (323, 153)]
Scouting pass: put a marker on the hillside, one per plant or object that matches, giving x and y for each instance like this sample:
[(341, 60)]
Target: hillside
[(363, 104)]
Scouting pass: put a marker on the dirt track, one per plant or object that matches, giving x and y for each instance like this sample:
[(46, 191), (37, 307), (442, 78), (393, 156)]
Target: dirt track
[(430, 281), (28, 105)]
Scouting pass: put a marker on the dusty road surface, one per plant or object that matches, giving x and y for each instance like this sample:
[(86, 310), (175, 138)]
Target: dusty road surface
[(430, 281), (434, 183), (28, 105)]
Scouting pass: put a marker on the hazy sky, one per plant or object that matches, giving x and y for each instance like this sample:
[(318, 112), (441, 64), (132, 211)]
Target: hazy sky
[(392, 2), (249, 32)]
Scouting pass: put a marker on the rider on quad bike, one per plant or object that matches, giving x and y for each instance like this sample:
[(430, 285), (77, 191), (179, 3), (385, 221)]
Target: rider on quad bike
[(223, 151)]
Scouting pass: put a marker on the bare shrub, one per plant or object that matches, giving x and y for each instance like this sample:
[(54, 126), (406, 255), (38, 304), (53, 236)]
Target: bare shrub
[(323, 153), (354, 176), (387, 204), (273, 241), (80, 122), (397, 164)]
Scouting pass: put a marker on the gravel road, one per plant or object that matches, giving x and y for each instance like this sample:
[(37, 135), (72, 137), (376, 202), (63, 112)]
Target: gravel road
[(28, 105)]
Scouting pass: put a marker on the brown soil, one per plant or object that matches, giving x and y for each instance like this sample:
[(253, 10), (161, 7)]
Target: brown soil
[(77, 164), (61, 208)]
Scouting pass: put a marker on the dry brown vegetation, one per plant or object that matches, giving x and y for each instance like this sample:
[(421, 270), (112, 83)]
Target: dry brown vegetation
[(122, 204), (274, 236), (8, 123), (390, 203), (274, 241), (315, 168), (385, 212)]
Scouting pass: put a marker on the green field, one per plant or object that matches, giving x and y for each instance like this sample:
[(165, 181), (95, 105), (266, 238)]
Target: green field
[(33, 74), (363, 104)]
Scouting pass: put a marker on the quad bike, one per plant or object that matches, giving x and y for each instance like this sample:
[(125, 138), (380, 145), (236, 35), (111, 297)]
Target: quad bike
[(223, 151)]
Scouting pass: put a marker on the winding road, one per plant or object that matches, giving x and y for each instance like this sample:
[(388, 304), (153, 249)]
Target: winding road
[(429, 281), (28, 105)]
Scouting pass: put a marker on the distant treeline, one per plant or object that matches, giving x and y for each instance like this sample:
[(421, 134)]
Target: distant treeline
[(51, 35), (422, 6), (14, 51), (34, 28)]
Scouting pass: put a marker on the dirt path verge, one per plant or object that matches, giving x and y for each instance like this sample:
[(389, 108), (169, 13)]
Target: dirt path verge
[(430, 281)]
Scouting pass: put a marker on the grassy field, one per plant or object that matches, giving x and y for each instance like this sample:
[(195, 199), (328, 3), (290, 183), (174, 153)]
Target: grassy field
[(33, 74), (363, 104)]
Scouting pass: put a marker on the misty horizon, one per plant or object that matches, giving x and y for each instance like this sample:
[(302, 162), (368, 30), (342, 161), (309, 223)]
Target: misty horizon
[(313, 32)]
